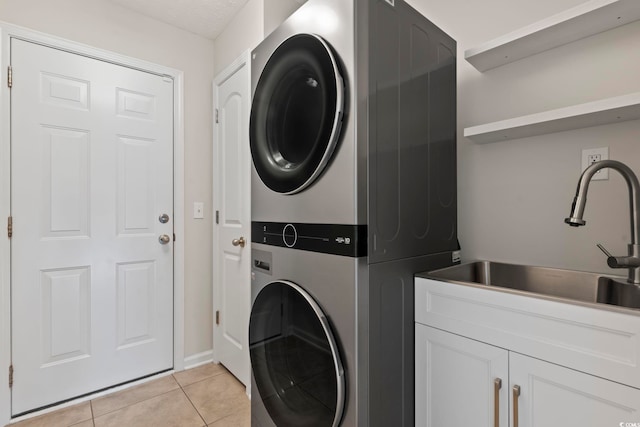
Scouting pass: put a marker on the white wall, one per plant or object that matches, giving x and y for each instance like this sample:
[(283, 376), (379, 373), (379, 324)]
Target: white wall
[(248, 28), (514, 195), (106, 25), (244, 32)]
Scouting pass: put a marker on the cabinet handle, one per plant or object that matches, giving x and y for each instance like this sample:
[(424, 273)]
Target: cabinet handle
[(497, 385), (516, 394)]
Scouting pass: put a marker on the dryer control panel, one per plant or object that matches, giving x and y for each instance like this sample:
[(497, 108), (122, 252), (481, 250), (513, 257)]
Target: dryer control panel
[(336, 239)]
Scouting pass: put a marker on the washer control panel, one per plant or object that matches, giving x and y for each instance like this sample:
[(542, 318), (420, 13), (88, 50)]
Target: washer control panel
[(337, 239)]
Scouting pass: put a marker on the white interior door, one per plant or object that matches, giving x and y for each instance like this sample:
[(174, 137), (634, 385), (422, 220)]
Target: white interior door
[(92, 171), (232, 200)]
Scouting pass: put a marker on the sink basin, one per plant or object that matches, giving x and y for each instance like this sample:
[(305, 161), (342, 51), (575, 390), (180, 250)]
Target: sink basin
[(551, 282)]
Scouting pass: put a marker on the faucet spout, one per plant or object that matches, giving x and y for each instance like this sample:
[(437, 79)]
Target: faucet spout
[(632, 262)]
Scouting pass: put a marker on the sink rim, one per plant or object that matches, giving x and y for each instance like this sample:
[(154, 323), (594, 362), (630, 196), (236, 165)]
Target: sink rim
[(437, 275)]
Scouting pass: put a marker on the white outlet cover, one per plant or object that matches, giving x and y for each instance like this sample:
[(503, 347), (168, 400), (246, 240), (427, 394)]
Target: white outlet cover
[(602, 174)]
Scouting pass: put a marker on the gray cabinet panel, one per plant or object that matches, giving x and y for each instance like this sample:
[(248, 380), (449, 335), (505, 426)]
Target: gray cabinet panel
[(412, 136)]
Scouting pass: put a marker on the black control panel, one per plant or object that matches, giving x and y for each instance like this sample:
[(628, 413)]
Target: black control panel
[(336, 239)]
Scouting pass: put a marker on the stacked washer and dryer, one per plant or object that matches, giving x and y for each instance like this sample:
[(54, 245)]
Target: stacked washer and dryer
[(353, 140)]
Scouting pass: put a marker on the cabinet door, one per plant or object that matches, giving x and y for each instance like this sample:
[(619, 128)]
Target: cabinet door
[(456, 381), (551, 395)]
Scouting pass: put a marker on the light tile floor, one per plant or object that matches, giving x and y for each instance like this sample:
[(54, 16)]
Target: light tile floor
[(204, 396)]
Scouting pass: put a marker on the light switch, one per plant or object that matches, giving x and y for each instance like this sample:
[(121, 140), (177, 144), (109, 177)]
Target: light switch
[(198, 210)]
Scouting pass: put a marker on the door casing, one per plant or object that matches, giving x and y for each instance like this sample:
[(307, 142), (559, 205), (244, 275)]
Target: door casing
[(8, 31)]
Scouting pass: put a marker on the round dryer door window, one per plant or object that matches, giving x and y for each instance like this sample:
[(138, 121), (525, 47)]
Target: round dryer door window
[(294, 358), (296, 114)]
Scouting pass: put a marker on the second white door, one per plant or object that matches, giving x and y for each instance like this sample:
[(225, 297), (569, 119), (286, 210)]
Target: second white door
[(92, 255), (232, 200)]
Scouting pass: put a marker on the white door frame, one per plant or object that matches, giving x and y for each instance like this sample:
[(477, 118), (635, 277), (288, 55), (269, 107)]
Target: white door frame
[(8, 31)]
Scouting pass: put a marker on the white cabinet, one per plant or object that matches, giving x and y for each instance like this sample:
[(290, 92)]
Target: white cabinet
[(461, 382), (573, 365), (552, 395)]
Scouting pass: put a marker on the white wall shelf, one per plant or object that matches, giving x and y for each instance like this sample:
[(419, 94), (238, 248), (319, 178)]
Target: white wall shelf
[(605, 111), (590, 18)]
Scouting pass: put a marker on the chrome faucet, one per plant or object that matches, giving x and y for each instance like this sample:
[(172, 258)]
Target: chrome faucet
[(632, 260)]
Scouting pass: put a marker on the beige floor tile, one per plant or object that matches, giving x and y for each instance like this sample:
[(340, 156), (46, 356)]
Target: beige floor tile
[(63, 418), (218, 397), (88, 423), (171, 409), (241, 419), (121, 399), (200, 373)]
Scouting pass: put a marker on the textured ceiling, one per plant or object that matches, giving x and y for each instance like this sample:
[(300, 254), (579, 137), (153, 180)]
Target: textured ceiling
[(204, 17)]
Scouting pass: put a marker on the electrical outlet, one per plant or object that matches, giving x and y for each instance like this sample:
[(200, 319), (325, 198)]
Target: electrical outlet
[(594, 158), (592, 155)]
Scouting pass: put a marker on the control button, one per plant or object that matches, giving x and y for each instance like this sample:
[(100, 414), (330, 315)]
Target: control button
[(289, 235)]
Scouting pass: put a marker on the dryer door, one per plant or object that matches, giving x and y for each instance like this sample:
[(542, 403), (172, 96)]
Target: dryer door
[(294, 358), (296, 114)]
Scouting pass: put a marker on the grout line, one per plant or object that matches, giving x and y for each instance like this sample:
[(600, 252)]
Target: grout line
[(222, 372), (93, 420), (193, 405), (138, 401)]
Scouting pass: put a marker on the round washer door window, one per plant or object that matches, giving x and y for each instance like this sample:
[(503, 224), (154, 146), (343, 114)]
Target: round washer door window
[(294, 358), (296, 114)]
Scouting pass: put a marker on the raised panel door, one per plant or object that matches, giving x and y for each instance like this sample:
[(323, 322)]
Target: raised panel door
[(232, 199), (459, 381), (92, 169), (552, 395)]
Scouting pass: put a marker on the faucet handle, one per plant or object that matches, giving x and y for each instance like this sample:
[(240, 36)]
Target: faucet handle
[(620, 261), (604, 250), (611, 260)]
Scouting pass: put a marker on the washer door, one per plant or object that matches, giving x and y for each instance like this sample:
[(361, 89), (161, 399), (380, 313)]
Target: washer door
[(296, 114), (294, 358)]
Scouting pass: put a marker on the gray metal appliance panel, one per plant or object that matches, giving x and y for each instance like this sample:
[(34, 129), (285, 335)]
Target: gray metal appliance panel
[(332, 281), (334, 197), (395, 171), (391, 338), (412, 135)]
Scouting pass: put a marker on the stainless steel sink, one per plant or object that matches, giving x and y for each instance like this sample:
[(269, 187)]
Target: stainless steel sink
[(551, 282)]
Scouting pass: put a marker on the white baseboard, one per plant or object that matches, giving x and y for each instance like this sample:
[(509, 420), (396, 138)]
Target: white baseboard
[(198, 359)]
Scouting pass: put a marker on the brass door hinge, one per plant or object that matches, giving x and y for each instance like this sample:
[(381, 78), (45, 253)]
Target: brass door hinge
[(217, 317), (10, 226), (10, 76), (10, 376)]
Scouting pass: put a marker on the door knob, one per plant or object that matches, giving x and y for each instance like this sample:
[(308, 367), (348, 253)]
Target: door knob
[(164, 218), (164, 239), (239, 242)]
